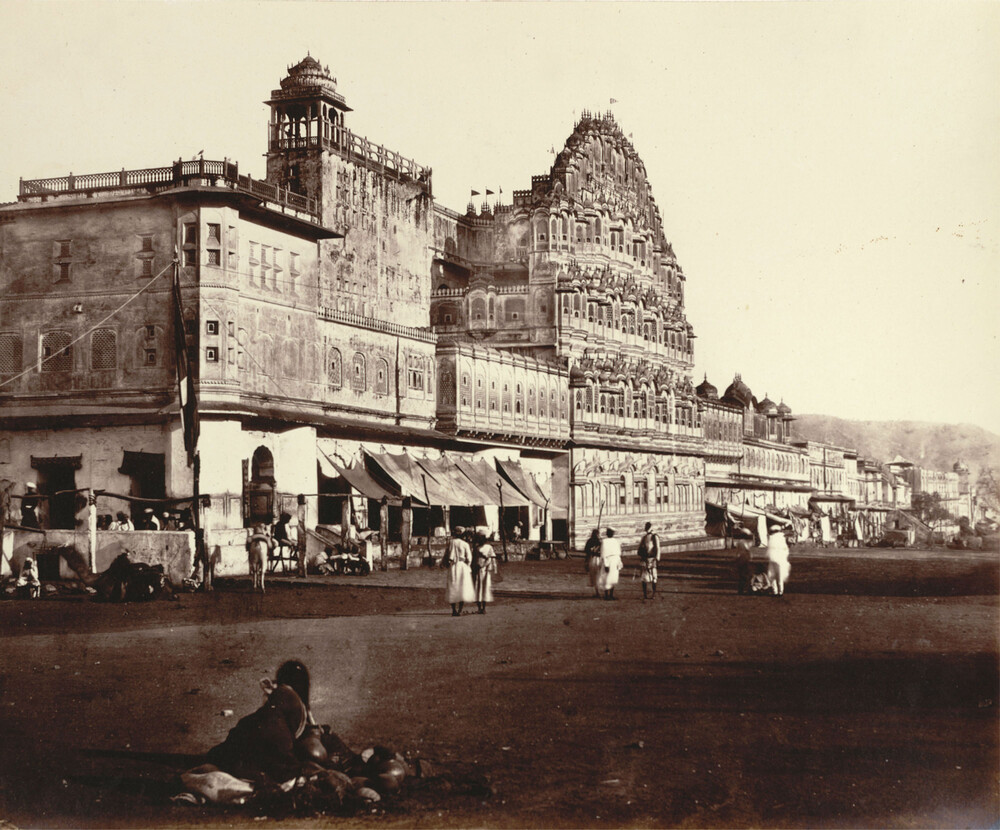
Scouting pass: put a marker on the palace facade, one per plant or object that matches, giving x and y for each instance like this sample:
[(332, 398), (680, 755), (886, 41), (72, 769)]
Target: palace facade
[(333, 314), (337, 337)]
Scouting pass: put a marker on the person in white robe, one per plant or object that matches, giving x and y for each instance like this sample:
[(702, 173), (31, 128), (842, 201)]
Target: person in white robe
[(778, 566), (458, 561), (484, 565), (611, 564), (28, 583)]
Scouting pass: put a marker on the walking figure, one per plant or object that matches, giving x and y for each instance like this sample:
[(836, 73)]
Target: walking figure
[(611, 564), (484, 565), (649, 554), (458, 560)]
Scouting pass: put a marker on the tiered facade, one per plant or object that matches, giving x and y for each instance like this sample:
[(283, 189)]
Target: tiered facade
[(335, 307), (577, 272)]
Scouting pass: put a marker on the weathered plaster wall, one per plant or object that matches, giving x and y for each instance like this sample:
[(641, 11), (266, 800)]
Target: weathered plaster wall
[(102, 452), (381, 268), (172, 549), (64, 269)]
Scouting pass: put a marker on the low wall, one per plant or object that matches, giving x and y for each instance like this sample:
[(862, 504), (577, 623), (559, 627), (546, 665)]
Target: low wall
[(174, 549)]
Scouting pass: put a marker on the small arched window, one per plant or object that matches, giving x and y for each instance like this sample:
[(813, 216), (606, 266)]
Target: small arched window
[(335, 369), (359, 379), (381, 376)]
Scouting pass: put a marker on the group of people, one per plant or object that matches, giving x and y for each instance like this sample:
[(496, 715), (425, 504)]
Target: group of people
[(147, 520), (471, 564), (770, 580), (604, 562)]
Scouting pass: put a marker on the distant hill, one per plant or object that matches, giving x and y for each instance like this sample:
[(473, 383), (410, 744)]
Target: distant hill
[(935, 446)]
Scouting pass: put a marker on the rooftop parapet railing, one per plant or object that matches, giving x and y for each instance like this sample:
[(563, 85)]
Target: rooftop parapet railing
[(335, 316), (352, 146), (494, 289), (216, 173)]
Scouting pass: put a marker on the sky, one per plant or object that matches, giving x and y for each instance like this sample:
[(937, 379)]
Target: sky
[(828, 173)]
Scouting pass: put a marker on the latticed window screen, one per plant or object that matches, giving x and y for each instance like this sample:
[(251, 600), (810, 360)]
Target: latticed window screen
[(56, 352), (103, 343), (11, 354), (381, 377), (360, 381), (335, 373)]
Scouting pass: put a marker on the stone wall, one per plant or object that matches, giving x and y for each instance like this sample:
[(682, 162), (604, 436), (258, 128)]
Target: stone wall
[(172, 549)]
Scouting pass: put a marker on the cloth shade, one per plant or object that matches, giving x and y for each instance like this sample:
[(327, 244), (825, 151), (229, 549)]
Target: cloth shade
[(446, 473), (486, 479), (414, 481), (359, 478), (515, 474)]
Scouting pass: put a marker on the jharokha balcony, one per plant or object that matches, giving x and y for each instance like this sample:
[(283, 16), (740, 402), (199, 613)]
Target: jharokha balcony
[(198, 173)]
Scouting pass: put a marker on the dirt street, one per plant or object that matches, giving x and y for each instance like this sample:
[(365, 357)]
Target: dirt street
[(866, 696)]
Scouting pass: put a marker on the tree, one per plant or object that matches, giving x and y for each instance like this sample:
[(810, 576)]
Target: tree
[(988, 491), (929, 509)]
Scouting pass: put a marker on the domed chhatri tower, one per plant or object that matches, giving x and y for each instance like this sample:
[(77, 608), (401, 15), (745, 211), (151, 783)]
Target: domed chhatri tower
[(707, 390), (377, 198)]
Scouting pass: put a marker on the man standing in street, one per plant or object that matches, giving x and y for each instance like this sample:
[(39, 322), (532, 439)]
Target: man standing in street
[(611, 564), (649, 556)]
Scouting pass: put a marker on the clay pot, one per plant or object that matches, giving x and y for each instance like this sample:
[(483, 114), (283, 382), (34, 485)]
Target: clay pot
[(389, 775), (310, 746)]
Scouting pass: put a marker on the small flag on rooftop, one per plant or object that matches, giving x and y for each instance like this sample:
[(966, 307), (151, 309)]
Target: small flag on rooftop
[(475, 192), (489, 192), (614, 100)]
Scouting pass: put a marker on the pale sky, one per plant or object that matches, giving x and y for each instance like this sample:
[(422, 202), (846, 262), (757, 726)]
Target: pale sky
[(828, 173)]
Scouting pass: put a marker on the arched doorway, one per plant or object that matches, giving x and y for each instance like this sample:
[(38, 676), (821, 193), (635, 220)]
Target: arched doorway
[(260, 488)]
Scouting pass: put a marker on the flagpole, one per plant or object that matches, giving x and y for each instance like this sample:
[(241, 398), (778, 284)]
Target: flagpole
[(185, 389)]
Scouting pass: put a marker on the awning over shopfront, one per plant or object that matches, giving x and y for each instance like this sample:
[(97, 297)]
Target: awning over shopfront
[(448, 481), (359, 478), (742, 511), (411, 480), (752, 514), (445, 472), (487, 479), (515, 474)]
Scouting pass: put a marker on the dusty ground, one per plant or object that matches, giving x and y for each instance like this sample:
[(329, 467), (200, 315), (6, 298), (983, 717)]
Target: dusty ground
[(866, 696)]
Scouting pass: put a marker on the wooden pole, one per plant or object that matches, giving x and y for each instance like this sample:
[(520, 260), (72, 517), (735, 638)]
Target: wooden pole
[(301, 539), (427, 498), (503, 532), (200, 548), (407, 531)]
